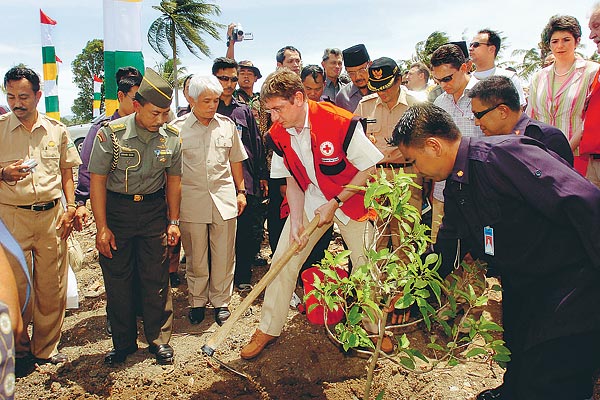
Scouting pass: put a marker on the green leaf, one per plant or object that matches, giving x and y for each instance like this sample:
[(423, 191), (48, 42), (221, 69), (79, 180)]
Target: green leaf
[(501, 357), (475, 352), (407, 362), (435, 346), (380, 395), (481, 301), (453, 362), (405, 301)]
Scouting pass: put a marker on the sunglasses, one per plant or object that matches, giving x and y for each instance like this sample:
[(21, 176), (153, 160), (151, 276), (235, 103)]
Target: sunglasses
[(445, 79), (481, 114), (477, 44), (228, 78)]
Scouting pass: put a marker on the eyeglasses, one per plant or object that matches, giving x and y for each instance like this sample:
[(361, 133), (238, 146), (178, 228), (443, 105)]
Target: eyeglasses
[(352, 74), (477, 44), (228, 78), (445, 79), (481, 114)]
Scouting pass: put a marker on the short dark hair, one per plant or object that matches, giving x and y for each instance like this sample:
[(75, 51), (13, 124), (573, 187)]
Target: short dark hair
[(224, 62), (312, 70), (493, 39), (495, 90), (282, 83), (561, 23), (329, 51), (280, 56), (126, 71), (126, 83), (187, 78), (421, 121), (422, 69), (448, 54), (18, 73)]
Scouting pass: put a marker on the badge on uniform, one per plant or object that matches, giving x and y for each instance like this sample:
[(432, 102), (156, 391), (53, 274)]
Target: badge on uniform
[(488, 240), (161, 154), (239, 130)]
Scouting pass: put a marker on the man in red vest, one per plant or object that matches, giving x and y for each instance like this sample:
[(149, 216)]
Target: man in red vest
[(590, 142), (319, 148)]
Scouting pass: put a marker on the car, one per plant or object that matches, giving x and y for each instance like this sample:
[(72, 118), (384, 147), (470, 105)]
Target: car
[(79, 132), (4, 109)]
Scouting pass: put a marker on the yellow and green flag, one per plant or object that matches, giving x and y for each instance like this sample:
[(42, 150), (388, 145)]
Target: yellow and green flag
[(50, 67), (122, 44)]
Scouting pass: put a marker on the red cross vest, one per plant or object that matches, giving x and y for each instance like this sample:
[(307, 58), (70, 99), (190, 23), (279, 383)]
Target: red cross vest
[(331, 129), (590, 142)]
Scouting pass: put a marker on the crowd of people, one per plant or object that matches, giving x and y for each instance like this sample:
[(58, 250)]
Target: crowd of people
[(513, 180)]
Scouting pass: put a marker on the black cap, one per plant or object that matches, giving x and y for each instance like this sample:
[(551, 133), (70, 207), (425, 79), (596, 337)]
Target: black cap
[(248, 65), (355, 55), (381, 74)]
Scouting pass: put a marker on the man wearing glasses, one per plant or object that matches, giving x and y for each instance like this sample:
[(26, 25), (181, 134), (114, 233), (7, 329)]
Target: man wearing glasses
[(483, 51), (450, 71), (357, 61), (249, 224)]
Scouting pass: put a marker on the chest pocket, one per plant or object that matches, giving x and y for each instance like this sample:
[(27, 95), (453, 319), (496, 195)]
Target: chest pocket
[(129, 159), (50, 158), (332, 169), (223, 147), (373, 126), (162, 158)]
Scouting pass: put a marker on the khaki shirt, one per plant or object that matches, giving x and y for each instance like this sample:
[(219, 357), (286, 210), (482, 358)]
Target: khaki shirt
[(144, 156), (50, 144), (207, 154), (382, 121)]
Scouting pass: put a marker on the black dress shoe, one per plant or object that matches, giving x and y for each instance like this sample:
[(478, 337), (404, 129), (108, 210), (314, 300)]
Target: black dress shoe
[(221, 315), (174, 278), (196, 315), (163, 352), (55, 359), (491, 394), (118, 356)]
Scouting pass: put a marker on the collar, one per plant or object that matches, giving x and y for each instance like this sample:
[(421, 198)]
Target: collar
[(131, 130), (521, 125), (292, 131), (14, 122), (460, 171), (329, 83), (400, 100)]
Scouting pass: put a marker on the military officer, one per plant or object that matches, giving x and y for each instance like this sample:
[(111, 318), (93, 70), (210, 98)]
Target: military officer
[(136, 163)]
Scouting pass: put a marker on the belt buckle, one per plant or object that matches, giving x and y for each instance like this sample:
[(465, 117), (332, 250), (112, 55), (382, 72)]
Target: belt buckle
[(138, 197)]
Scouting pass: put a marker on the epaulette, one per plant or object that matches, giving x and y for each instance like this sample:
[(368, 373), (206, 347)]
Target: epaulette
[(172, 130), (116, 127), (369, 97), (53, 121), (4, 117)]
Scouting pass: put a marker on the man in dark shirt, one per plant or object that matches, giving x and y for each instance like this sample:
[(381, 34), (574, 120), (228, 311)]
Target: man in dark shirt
[(524, 211), (250, 222), (495, 105)]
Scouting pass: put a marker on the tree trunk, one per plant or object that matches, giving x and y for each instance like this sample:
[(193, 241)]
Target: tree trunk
[(175, 81)]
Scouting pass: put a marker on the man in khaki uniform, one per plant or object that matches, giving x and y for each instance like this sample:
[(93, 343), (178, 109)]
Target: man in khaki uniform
[(29, 206), (213, 195), (135, 162), (383, 110)]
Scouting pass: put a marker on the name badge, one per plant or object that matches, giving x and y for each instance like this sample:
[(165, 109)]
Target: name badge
[(488, 240)]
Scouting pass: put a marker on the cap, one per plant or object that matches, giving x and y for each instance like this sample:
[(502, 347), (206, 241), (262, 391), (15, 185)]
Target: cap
[(248, 64), (355, 55), (156, 89), (381, 74), (463, 47)]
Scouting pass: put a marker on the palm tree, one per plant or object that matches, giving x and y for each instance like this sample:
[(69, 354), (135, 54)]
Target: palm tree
[(532, 61), (183, 21), (165, 69), (424, 49)]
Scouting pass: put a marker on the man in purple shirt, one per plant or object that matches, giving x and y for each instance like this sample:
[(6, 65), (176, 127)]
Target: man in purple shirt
[(529, 215)]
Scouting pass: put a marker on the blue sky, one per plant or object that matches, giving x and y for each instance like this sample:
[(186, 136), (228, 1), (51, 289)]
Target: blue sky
[(387, 27)]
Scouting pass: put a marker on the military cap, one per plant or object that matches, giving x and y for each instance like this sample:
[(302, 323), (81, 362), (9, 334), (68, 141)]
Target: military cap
[(355, 55), (248, 65), (155, 89), (381, 74)]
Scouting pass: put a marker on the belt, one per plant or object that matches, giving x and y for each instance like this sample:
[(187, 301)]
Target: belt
[(595, 156), (139, 197), (394, 165), (41, 206)]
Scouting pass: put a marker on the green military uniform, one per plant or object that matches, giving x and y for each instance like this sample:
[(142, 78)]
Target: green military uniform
[(135, 161)]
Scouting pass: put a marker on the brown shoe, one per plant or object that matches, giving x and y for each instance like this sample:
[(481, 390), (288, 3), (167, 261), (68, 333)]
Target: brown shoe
[(387, 345), (256, 345)]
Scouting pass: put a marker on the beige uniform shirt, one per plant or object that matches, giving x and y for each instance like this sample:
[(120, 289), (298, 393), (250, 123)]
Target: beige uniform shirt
[(381, 121), (207, 154), (50, 144), (143, 160)]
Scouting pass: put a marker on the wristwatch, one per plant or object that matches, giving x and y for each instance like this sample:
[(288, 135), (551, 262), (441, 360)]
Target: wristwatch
[(174, 222), (242, 191), (338, 200)]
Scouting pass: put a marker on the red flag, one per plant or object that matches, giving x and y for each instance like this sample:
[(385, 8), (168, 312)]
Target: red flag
[(58, 59), (44, 19), (97, 79)]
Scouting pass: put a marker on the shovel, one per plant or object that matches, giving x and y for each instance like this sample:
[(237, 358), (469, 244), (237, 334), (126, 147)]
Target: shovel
[(222, 332)]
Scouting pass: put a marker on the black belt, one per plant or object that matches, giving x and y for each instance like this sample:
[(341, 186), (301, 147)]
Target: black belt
[(41, 206), (595, 156), (139, 197), (394, 165)]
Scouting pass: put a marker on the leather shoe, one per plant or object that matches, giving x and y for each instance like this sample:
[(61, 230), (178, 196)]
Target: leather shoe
[(196, 315), (55, 359), (118, 356), (256, 345), (490, 394), (175, 279), (163, 352), (221, 315)]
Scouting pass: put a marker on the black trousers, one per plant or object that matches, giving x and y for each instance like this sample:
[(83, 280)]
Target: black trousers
[(136, 269), (249, 236)]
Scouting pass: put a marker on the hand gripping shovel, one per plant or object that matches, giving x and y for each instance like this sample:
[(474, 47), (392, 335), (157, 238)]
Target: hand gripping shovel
[(222, 332)]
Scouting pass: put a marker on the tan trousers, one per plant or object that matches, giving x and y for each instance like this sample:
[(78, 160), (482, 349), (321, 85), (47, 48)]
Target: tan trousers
[(212, 283), (357, 235), (436, 218), (593, 171), (46, 259)]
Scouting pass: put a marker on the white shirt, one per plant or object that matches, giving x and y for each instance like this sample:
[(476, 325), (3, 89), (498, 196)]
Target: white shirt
[(361, 153), (504, 72)]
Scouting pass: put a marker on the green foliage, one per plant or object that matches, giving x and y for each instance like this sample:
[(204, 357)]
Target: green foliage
[(402, 279), (88, 63)]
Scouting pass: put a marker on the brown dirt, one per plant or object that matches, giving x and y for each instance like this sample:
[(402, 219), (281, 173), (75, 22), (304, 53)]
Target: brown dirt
[(303, 364)]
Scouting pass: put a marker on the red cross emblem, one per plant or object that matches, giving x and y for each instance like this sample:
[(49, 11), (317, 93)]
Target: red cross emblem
[(326, 148)]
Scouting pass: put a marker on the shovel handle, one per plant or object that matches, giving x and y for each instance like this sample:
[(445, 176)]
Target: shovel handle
[(223, 331)]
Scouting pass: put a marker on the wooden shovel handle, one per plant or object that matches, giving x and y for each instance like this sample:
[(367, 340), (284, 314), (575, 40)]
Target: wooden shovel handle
[(223, 331)]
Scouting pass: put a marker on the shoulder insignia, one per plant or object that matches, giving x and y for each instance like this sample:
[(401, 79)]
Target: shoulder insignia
[(4, 116), (172, 130), (370, 97), (116, 127), (101, 137)]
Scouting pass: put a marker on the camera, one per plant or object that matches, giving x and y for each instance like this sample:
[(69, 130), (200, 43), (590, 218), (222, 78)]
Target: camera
[(238, 34)]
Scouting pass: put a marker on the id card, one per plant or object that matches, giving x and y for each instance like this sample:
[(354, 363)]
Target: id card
[(488, 240)]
